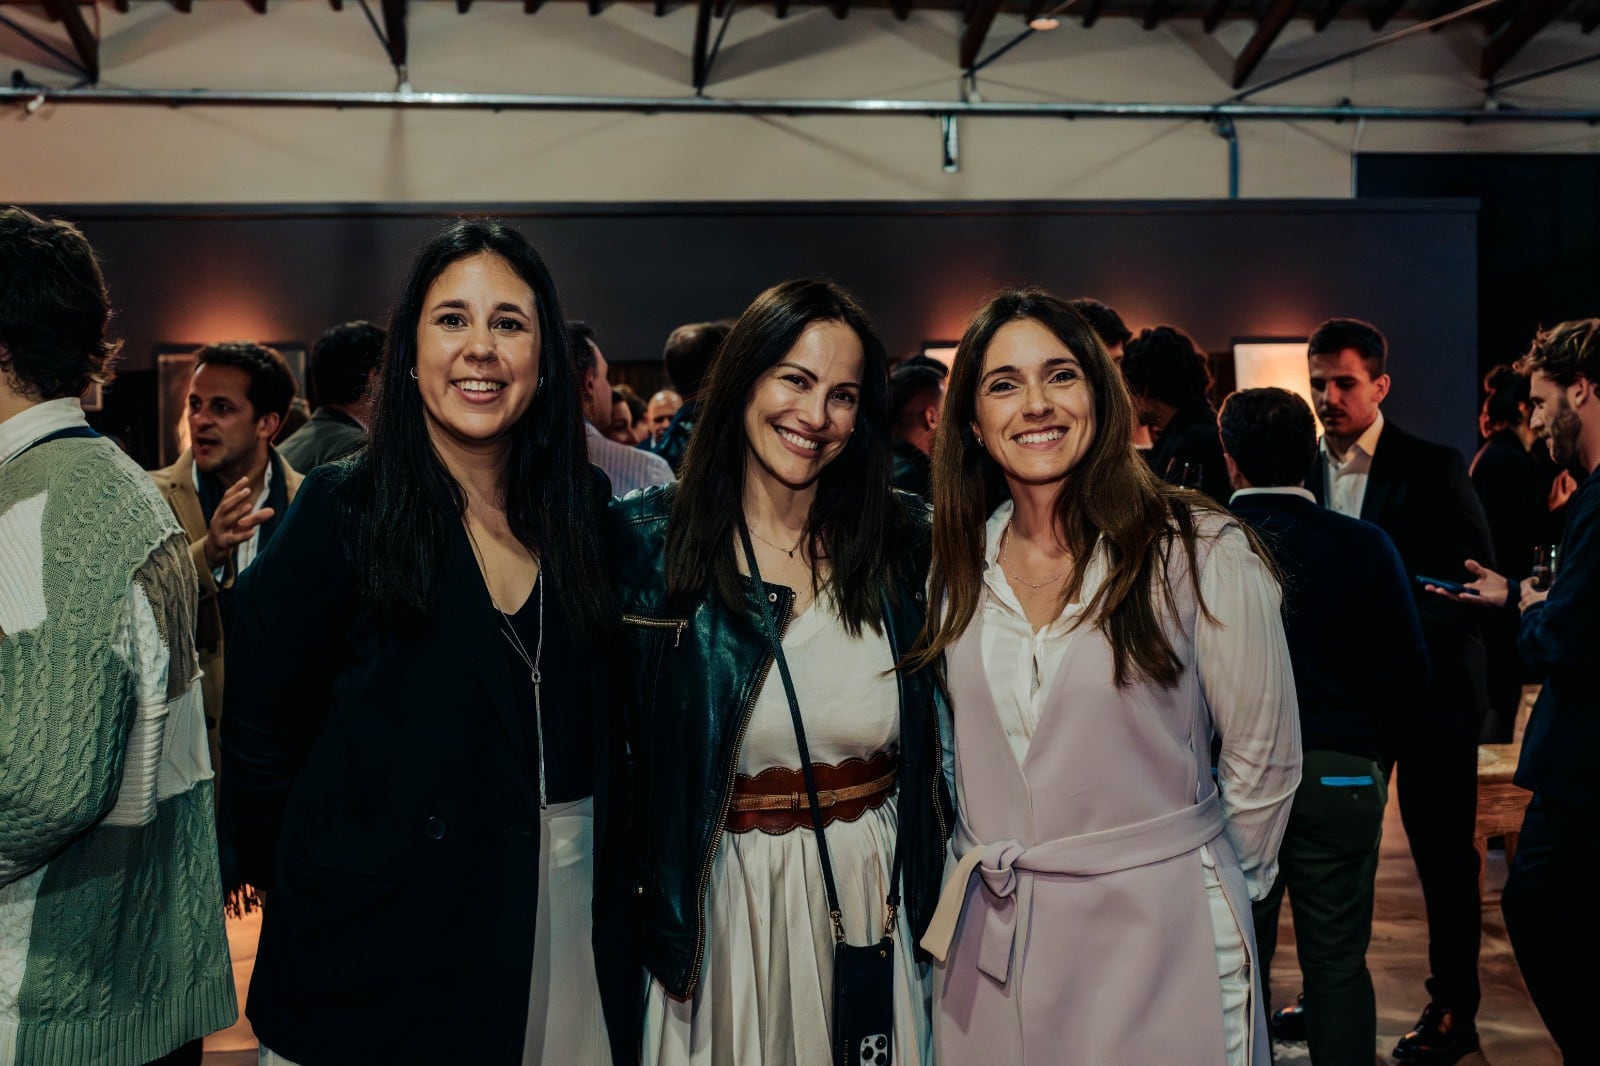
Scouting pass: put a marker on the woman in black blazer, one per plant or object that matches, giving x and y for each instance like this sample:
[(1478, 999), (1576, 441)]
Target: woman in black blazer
[(416, 730)]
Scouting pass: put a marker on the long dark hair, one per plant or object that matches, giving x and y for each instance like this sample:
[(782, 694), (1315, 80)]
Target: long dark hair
[(1110, 493), (854, 511), (406, 500)]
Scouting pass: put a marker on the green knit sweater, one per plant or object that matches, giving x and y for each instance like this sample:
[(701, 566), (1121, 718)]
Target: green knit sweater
[(112, 945)]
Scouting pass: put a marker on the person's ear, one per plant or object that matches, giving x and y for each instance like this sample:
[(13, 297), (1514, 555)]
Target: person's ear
[(267, 426), (930, 418), (1381, 387)]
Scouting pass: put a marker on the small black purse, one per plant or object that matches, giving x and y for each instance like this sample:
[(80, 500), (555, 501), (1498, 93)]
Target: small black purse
[(863, 976)]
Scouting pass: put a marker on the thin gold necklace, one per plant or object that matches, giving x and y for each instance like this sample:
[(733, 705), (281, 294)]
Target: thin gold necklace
[(1004, 536), (787, 551)]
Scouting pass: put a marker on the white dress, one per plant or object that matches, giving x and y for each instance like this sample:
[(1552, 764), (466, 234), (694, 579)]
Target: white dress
[(764, 994)]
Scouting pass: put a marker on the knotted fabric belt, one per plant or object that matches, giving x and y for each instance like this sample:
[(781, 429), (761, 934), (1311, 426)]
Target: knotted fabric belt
[(1007, 869), (775, 800)]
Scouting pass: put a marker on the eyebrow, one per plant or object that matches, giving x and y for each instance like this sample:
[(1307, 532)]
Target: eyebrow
[(461, 305), (813, 377), (1049, 364)]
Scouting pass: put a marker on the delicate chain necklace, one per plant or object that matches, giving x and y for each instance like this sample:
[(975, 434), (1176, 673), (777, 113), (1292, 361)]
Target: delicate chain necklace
[(1004, 536), (509, 632), (787, 551)]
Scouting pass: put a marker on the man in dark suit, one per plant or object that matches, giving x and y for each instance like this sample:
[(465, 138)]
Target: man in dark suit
[(1418, 493), (1549, 897), (1347, 600)]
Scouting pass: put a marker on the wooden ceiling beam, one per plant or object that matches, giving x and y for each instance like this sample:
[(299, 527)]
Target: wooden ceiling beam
[(1276, 17), (84, 42), (1386, 10), (1326, 14), (1534, 16), (1214, 14), (972, 37), (394, 30), (699, 61)]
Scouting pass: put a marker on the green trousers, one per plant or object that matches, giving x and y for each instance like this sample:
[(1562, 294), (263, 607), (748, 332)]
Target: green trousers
[(1328, 863)]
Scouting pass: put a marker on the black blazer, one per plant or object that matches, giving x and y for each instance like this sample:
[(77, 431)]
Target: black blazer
[(1419, 494), (384, 793), (1360, 661), (1559, 638)]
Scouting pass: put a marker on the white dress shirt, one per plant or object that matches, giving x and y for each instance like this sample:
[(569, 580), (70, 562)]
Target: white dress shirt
[(1346, 476), (628, 468)]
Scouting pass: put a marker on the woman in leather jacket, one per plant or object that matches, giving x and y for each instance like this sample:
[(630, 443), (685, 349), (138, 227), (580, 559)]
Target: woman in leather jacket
[(792, 445)]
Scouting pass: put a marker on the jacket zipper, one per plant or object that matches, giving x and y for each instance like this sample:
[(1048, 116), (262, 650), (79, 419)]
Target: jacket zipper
[(938, 772), (677, 625), (727, 801)]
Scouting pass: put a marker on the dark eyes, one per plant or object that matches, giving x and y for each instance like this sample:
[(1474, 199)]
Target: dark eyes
[(451, 320)]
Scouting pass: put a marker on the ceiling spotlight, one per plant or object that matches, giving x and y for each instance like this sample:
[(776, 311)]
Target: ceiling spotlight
[(1043, 23), (32, 106)]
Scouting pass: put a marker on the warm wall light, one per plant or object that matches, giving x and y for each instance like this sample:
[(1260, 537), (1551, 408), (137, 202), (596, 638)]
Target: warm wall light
[(1259, 364), (944, 351)]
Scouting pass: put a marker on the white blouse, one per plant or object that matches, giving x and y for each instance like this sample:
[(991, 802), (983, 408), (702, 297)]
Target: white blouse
[(1246, 677)]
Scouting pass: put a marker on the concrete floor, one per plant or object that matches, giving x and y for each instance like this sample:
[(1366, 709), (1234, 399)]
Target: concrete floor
[(1511, 1030)]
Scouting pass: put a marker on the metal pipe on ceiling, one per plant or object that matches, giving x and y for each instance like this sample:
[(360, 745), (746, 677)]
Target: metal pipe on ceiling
[(703, 105)]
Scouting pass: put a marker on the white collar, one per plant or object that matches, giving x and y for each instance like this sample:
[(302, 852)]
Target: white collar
[(19, 431), (1274, 490)]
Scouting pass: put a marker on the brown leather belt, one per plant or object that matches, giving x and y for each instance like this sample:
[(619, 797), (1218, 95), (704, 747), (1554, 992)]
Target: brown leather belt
[(775, 801)]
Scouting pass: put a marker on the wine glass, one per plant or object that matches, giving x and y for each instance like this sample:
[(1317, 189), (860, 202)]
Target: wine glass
[(1188, 473), (1545, 557)]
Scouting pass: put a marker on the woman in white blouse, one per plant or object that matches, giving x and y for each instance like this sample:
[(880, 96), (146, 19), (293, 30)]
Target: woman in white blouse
[(1099, 628)]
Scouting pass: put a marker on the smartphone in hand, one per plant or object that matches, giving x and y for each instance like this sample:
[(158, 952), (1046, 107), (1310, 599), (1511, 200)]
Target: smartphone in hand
[(1448, 586)]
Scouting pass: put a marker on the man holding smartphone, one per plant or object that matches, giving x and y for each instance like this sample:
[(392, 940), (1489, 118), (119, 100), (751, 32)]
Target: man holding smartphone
[(1550, 914)]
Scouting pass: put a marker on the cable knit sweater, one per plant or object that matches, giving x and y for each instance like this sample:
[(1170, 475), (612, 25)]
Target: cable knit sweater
[(112, 946)]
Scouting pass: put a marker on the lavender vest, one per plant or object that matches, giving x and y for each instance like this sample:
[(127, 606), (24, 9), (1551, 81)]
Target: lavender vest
[(1086, 937)]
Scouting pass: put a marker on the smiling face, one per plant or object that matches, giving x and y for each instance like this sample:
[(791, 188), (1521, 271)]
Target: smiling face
[(1034, 406), (801, 411), (226, 436), (478, 351)]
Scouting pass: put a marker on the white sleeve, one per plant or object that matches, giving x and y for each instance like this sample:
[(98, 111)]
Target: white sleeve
[(1248, 681)]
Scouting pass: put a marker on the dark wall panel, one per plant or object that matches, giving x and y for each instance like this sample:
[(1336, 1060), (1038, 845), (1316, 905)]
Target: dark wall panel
[(1220, 270)]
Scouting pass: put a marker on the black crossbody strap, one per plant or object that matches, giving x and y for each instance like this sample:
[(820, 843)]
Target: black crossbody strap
[(776, 640)]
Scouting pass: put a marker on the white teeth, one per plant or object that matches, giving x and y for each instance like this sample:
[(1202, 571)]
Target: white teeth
[(475, 385), (809, 445), (1041, 438)]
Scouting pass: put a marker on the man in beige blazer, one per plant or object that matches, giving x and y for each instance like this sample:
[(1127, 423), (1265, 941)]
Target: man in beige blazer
[(230, 488)]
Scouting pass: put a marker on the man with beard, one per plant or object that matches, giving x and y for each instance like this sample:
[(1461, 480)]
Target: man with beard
[(1550, 915), (230, 488), (1418, 493)]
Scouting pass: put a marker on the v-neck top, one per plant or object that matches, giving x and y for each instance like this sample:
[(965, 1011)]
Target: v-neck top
[(568, 737)]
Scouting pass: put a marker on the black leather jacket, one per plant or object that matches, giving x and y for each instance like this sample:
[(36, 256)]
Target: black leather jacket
[(695, 679)]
